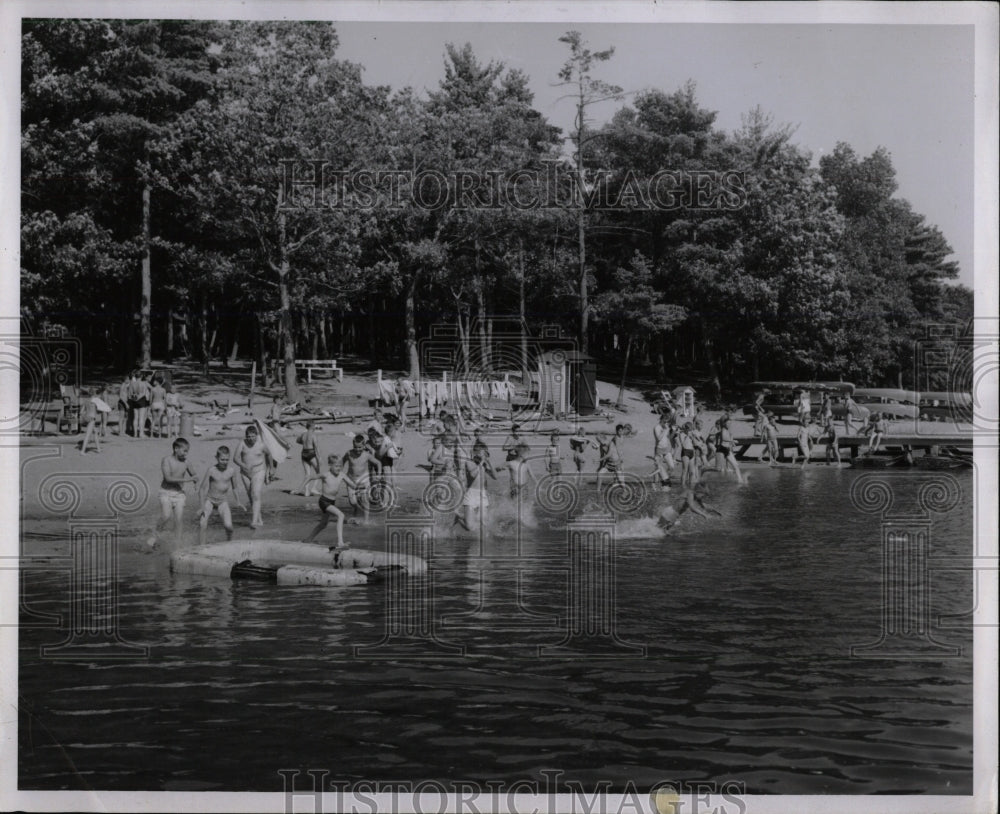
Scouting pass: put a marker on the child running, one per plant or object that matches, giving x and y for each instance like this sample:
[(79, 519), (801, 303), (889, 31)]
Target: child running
[(513, 441), (176, 471), (254, 462), (475, 492), (577, 444), (359, 462), (437, 457), (331, 481), (520, 473), (220, 480), (726, 450)]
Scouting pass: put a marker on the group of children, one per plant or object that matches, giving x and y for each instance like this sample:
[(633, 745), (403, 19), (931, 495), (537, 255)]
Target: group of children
[(682, 452), (147, 407), (810, 433)]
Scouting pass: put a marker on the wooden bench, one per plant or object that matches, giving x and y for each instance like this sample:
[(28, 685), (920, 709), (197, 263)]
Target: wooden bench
[(309, 365), (40, 412)]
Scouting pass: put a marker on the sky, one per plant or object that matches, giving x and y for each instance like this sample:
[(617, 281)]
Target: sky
[(908, 88)]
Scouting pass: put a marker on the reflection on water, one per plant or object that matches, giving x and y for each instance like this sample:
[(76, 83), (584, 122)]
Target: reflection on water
[(729, 660)]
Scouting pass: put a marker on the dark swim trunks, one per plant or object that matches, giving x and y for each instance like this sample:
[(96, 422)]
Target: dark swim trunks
[(325, 503)]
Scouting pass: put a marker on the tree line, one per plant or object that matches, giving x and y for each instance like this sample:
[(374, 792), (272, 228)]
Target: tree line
[(157, 217)]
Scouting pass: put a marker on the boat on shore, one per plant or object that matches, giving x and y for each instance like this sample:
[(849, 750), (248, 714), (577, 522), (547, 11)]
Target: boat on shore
[(292, 563)]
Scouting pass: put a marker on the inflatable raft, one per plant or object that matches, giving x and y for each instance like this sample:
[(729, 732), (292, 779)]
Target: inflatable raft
[(288, 563)]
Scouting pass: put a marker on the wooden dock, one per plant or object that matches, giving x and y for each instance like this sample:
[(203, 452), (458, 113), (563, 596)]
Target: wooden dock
[(930, 443)]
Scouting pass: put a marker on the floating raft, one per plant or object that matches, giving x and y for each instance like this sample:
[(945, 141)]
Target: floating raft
[(288, 563)]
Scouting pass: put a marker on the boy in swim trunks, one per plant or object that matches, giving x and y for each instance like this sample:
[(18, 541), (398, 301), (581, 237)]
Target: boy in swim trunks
[(520, 473), (310, 460), (726, 448), (513, 441), (254, 462), (577, 444), (220, 480), (176, 472), (475, 493), (688, 471), (327, 499), (359, 461)]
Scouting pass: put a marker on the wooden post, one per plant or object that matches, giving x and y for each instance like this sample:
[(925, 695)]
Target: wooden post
[(253, 384)]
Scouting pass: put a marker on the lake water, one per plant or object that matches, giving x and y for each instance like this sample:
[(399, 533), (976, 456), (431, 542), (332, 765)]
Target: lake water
[(730, 661)]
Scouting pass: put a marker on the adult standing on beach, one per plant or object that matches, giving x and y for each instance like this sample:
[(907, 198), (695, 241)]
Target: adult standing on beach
[(254, 461)]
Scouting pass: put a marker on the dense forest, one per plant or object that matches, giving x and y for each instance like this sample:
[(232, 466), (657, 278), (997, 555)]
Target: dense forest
[(166, 211)]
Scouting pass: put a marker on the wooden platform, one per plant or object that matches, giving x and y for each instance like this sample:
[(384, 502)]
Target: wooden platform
[(931, 444)]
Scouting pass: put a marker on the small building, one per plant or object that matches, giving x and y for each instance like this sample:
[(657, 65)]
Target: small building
[(684, 399), (568, 381)]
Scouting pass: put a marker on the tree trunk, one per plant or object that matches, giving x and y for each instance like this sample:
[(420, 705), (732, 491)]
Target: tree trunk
[(147, 283), (203, 352), (481, 320), (628, 353), (708, 346), (413, 358), (292, 393), (324, 347), (260, 350), (520, 294), (170, 335), (581, 229), (463, 338), (234, 352)]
